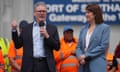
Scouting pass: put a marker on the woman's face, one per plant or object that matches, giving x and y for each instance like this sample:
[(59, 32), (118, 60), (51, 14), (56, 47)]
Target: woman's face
[(89, 16)]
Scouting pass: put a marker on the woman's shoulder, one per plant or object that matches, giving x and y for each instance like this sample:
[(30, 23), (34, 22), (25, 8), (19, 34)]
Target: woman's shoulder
[(84, 27), (103, 25)]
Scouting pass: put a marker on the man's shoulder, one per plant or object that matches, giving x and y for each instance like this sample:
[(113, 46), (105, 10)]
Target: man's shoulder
[(29, 24), (28, 27), (51, 25)]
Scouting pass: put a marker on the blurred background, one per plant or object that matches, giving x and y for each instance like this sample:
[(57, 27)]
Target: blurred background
[(23, 10)]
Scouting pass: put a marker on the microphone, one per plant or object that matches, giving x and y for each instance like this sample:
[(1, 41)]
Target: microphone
[(41, 24)]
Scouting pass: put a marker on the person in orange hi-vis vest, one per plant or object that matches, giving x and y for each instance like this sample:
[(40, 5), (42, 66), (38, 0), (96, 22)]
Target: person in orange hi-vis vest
[(113, 65), (1, 61), (109, 58), (15, 55), (4, 61), (65, 58), (117, 56)]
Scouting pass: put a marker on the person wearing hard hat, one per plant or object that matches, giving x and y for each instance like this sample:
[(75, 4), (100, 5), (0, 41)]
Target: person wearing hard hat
[(65, 58)]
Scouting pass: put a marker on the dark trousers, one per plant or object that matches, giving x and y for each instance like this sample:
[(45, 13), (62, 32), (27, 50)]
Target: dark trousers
[(40, 65)]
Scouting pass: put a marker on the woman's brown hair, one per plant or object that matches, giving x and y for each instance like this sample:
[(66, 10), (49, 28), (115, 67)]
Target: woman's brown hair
[(97, 12)]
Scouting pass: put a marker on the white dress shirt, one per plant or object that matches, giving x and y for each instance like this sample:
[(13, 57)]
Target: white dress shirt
[(88, 36), (38, 41)]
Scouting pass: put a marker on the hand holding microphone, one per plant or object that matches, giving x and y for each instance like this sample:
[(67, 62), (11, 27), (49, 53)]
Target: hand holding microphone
[(43, 30)]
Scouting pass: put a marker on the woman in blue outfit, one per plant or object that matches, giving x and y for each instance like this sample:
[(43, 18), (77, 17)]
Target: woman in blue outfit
[(93, 41)]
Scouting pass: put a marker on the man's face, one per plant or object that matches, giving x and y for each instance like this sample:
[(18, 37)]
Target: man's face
[(68, 35), (40, 13)]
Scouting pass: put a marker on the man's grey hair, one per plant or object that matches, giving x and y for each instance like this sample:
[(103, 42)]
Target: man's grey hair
[(39, 3)]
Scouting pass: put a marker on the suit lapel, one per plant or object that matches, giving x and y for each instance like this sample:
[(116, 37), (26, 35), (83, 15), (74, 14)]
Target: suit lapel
[(31, 33), (84, 36), (47, 28), (93, 34)]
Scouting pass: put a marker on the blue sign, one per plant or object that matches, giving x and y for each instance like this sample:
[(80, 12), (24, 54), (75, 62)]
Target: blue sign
[(73, 11)]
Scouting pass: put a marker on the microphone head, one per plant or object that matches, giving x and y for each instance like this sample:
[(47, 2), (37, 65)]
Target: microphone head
[(41, 24)]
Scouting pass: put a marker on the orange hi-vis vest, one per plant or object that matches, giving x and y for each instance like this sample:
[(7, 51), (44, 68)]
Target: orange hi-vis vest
[(109, 58), (4, 62), (2, 67), (15, 53), (65, 61), (70, 64)]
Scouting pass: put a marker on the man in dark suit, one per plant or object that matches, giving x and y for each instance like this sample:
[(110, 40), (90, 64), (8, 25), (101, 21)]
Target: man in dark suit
[(38, 40)]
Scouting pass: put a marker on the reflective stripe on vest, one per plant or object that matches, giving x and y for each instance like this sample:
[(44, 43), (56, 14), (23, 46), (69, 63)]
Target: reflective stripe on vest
[(2, 67), (71, 57), (70, 64), (18, 57), (67, 65), (1, 64), (4, 43), (61, 55)]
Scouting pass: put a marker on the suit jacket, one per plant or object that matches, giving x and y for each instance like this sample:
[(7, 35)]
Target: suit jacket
[(26, 40), (98, 44)]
